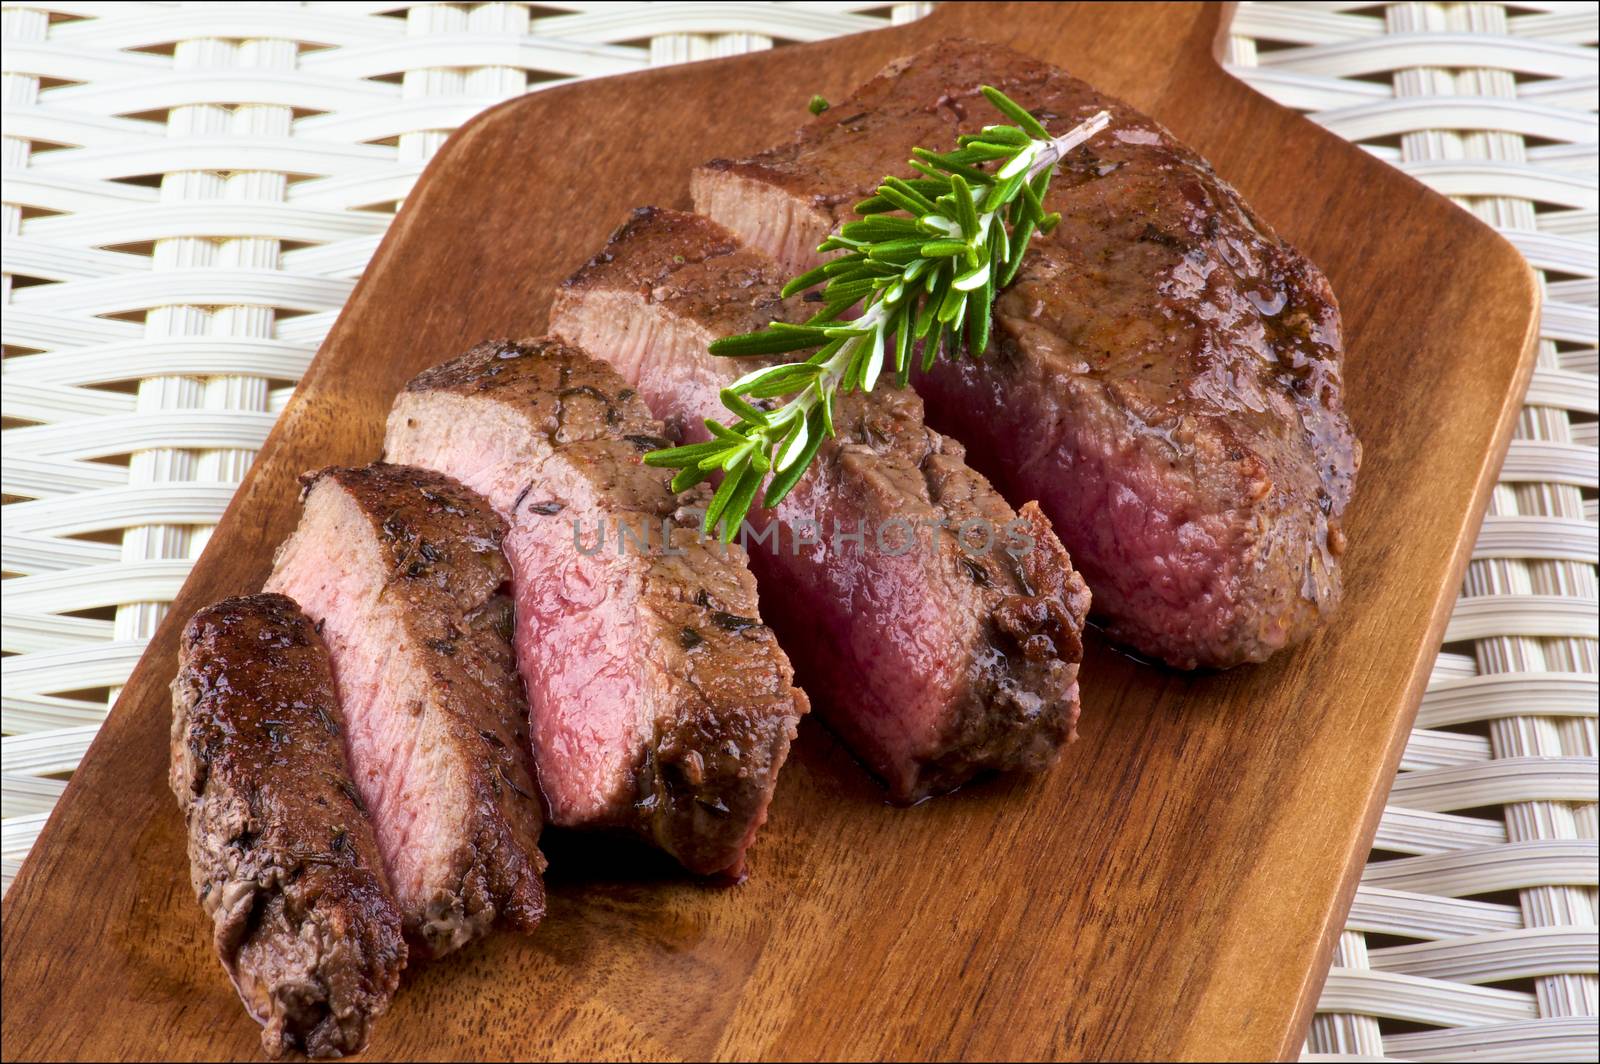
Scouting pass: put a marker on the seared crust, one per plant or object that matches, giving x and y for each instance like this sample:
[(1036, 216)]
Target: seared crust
[(577, 403), (708, 772), (1024, 612), (281, 854), (445, 572), (1178, 363), (691, 265)]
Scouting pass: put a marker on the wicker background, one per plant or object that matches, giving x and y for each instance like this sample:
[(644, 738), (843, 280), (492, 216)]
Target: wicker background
[(191, 190)]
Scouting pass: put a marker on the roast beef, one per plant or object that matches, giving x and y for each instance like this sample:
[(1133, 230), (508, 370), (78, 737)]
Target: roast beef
[(661, 702), (401, 570), (281, 854), (1165, 372), (935, 655)]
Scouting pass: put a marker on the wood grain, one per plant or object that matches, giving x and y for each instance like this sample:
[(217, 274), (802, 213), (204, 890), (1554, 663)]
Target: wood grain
[(1172, 890)]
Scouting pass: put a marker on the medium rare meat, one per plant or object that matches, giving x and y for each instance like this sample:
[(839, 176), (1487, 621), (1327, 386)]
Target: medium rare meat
[(401, 569), (281, 854), (1165, 372), (936, 659), (661, 703)]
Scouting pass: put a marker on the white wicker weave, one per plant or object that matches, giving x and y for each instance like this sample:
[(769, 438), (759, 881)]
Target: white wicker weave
[(1493, 104), (191, 191)]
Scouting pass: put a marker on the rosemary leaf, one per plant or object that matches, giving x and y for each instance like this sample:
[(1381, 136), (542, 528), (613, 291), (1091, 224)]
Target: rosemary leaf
[(898, 252), (765, 342), (723, 432), (966, 213), (1006, 135), (735, 402), (903, 201), (677, 457), (804, 281), (1014, 111), (944, 249), (783, 380), (1032, 206), (687, 478), (972, 279), (884, 227), (984, 150), (914, 196), (927, 187), (1019, 240), (953, 299), (787, 478), (838, 291), (930, 344)]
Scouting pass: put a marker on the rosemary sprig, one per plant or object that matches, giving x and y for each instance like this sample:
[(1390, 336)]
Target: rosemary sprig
[(924, 262)]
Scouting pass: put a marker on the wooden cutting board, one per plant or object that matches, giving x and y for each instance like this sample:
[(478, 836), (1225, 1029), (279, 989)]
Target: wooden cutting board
[(1171, 890)]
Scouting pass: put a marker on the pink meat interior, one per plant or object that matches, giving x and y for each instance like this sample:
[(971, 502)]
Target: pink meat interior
[(334, 568), (577, 639), (762, 216), (1145, 547)]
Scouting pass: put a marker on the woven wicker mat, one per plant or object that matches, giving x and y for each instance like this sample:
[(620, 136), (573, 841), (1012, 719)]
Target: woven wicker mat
[(190, 192)]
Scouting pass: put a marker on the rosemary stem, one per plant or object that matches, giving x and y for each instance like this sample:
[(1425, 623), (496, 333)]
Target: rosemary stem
[(1053, 150)]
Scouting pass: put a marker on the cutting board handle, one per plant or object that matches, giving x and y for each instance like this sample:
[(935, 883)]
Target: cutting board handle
[(1177, 36)]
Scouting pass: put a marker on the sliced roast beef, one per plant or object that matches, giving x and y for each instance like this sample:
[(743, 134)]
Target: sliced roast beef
[(1165, 372), (661, 703), (401, 570), (938, 628), (281, 854)]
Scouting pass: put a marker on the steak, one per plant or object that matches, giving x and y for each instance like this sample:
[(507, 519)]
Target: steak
[(401, 569), (661, 702), (934, 659), (1176, 364), (281, 854)]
